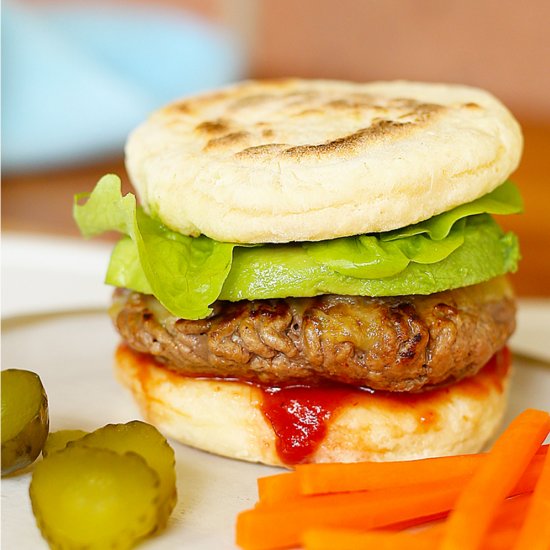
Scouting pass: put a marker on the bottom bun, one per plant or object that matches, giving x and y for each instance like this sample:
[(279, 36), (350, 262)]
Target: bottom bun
[(247, 422)]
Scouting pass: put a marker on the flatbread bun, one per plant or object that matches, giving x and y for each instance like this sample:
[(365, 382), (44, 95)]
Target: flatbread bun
[(226, 418), (305, 160)]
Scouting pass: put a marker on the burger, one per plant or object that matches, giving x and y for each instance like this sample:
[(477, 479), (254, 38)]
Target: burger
[(313, 272)]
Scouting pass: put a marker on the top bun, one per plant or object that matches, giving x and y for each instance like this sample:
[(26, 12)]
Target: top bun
[(306, 160)]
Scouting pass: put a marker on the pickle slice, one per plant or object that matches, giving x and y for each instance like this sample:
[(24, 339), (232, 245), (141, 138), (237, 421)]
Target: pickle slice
[(94, 498), (57, 441), (145, 440), (25, 420)]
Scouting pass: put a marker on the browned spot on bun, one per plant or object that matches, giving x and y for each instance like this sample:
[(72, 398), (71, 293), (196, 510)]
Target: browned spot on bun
[(376, 132), (308, 112), (266, 151), (212, 127), (358, 101), (181, 107), (415, 116), (227, 141), (193, 106)]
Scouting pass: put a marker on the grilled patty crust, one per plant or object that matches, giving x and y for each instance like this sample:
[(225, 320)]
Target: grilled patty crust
[(404, 343)]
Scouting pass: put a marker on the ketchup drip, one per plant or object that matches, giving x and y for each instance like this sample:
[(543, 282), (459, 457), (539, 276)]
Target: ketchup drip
[(300, 417)]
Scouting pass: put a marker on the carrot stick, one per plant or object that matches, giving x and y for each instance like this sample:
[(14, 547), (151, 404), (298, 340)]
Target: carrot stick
[(334, 478), (415, 522), (278, 488), (280, 525), (345, 539), (360, 476), (342, 539), (506, 526), (495, 478), (510, 514), (500, 539), (530, 477), (535, 532)]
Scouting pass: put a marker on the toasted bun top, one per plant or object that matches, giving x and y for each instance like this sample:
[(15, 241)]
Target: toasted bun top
[(297, 160)]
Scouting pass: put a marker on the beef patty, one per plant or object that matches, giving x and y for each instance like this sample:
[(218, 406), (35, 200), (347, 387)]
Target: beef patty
[(404, 343)]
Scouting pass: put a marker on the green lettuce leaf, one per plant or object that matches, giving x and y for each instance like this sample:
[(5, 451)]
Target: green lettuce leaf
[(372, 257), (505, 199), (461, 247), (278, 272), (186, 274), (125, 269), (427, 242)]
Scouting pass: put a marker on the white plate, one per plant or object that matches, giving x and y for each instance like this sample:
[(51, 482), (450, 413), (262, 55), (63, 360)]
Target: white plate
[(71, 348)]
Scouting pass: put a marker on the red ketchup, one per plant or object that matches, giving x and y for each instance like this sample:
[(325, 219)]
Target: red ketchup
[(300, 417)]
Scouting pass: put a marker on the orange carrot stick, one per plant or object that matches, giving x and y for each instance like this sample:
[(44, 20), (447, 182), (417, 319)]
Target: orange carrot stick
[(505, 528), (511, 513), (334, 478), (278, 488), (361, 476), (415, 522), (508, 520), (342, 539), (281, 525), (535, 532), (495, 478), (345, 539)]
